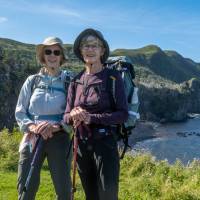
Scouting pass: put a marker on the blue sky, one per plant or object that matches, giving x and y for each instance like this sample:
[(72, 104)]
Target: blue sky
[(131, 24)]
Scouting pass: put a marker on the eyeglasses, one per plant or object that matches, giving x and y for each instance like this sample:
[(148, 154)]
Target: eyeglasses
[(92, 46), (49, 52)]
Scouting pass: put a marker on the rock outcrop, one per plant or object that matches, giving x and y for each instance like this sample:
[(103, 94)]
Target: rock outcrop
[(168, 83)]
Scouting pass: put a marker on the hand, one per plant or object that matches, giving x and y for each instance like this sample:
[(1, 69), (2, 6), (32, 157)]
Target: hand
[(56, 128), (76, 123), (45, 129), (32, 128), (87, 118), (78, 114)]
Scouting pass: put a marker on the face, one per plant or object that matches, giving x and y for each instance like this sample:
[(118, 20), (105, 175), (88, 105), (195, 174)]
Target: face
[(91, 50), (53, 56)]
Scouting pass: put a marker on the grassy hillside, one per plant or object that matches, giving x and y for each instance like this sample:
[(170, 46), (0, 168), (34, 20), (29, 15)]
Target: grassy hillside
[(168, 64), (141, 177), (155, 69)]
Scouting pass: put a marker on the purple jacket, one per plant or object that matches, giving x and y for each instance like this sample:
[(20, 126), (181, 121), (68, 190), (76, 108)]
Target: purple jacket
[(90, 92)]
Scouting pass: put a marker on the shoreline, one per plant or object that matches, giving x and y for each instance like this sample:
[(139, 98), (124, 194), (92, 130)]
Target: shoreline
[(145, 130)]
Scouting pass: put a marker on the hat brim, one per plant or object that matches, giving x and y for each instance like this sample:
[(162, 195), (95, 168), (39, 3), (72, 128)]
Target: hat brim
[(40, 55), (95, 33)]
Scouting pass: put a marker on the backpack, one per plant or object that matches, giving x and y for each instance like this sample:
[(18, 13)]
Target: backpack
[(66, 78), (124, 66)]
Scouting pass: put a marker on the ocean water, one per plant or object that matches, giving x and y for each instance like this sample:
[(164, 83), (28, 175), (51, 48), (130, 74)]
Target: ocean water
[(174, 141)]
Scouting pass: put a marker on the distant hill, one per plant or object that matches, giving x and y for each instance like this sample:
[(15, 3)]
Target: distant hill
[(166, 91), (167, 64)]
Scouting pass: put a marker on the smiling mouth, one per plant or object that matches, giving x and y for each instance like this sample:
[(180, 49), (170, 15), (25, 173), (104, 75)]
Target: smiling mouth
[(52, 61), (91, 56)]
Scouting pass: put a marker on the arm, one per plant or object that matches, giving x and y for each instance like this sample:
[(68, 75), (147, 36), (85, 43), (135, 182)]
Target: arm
[(21, 112)]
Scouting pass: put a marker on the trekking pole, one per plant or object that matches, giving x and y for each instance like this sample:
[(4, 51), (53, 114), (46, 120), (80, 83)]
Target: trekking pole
[(67, 129), (37, 151), (74, 165)]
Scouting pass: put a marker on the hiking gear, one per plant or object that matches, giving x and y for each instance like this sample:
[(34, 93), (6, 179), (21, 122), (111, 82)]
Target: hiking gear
[(55, 150), (98, 158), (28, 139), (49, 52), (75, 137), (92, 46), (125, 62), (101, 131), (66, 77), (97, 34), (49, 41), (94, 98), (57, 117), (36, 83), (42, 95), (124, 66), (37, 154)]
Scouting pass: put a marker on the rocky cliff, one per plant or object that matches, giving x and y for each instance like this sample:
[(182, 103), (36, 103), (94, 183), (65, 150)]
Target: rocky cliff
[(169, 85)]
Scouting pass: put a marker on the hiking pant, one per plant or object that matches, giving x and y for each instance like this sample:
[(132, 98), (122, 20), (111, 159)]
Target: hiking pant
[(55, 150), (98, 167)]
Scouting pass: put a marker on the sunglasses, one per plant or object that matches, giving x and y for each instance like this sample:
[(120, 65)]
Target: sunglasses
[(55, 52), (92, 46)]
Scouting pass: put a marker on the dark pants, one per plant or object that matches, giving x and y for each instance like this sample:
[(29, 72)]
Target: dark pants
[(55, 150), (98, 167)]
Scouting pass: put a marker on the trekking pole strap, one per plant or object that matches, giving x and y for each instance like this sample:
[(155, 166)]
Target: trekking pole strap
[(70, 146), (125, 148)]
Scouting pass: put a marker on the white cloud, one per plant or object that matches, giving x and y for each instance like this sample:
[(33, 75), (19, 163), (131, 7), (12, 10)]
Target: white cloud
[(43, 8), (58, 11), (3, 19)]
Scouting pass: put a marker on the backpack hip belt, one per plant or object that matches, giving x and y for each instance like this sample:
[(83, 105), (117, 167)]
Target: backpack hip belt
[(102, 131), (57, 117)]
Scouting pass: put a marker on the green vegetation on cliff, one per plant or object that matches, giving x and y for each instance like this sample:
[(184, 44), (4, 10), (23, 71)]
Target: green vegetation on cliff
[(162, 76), (168, 64)]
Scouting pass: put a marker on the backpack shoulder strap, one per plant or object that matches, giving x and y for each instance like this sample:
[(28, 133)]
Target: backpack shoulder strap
[(78, 76), (66, 79), (111, 86), (35, 81), (66, 83), (74, 82)]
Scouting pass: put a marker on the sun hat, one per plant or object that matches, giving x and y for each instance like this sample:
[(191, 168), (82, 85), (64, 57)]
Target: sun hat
[(97, 34), (49, 41)]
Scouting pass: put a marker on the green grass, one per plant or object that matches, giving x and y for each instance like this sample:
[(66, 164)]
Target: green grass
[(141, 177), (8, 186)]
